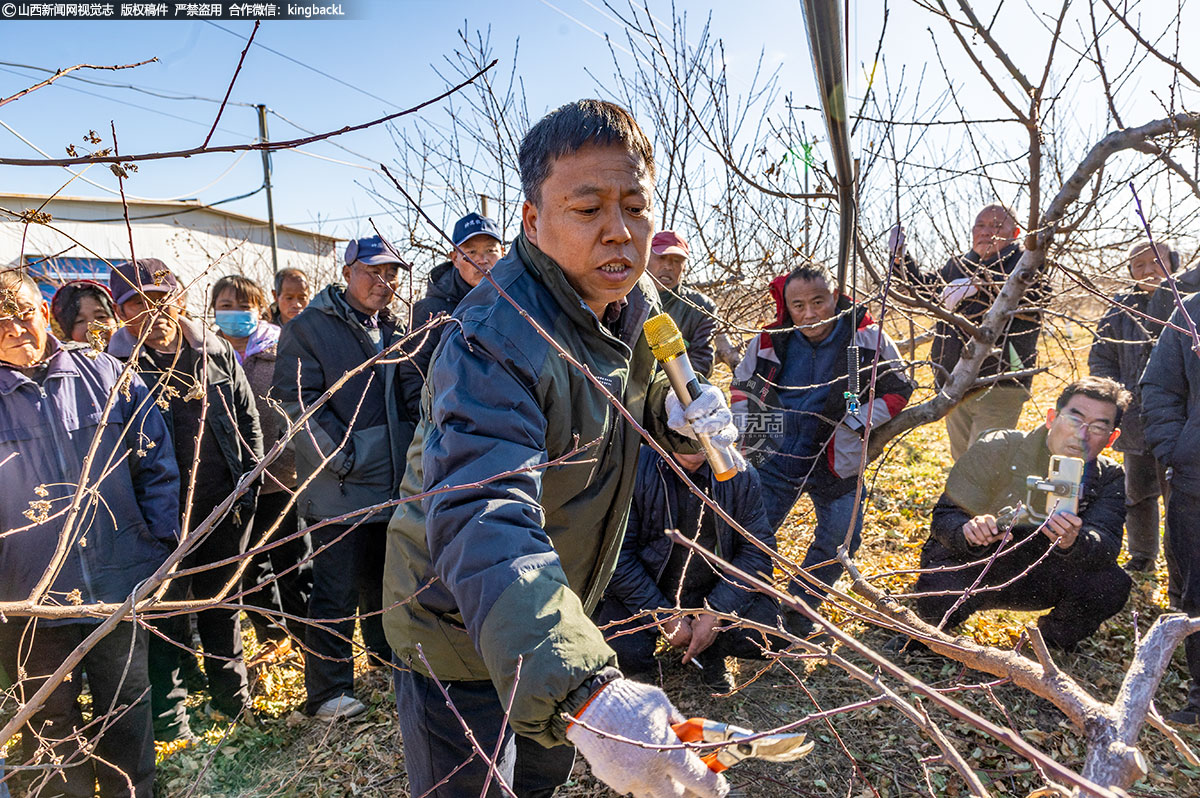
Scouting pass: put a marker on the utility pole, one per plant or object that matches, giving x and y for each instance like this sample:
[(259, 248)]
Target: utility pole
[(266, 162), (483, 198)]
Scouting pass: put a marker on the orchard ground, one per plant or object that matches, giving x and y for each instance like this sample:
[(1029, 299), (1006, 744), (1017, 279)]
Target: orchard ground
[(862, 754)]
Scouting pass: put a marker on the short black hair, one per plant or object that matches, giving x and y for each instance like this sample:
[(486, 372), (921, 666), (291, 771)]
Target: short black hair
[(288, 274), (1102, 389), (807, 271), (570, 128)]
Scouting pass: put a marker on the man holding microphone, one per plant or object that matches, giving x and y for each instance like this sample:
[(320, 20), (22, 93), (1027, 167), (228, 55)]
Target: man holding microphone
[(493, 584)]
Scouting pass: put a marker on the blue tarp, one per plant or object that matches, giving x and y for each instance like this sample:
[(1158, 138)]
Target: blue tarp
[(53, 272)]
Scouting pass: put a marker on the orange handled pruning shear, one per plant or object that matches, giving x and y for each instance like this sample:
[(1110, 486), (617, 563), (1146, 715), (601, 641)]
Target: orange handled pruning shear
[(773, 747)]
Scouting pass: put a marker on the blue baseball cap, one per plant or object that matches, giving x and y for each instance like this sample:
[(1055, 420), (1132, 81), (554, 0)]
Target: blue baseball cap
[(473, 225), (373, 251)]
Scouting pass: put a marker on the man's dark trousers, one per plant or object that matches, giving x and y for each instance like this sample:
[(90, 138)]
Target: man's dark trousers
[(347, 581), (1183, 545), (117, 678), (1079, 600), (435, 743), (219, 628), (286, 569)]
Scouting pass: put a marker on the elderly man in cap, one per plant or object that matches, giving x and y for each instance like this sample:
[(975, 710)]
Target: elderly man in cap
[(209, 406), (478, 244), (694, 312), (349, 456), (52, 411)]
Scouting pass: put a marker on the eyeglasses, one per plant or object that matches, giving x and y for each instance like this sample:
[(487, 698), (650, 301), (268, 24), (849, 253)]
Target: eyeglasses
[(1096, 429), (11, 312), (388, 273)]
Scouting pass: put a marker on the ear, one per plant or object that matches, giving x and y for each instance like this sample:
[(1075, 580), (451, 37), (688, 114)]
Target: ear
[(1113, 438), (529, 220), (1051, 414), (346, 273)]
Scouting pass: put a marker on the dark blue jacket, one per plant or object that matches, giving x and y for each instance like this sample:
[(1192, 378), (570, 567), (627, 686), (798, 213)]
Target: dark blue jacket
[(1120, 352), (1171, 401), (127, 527), (646, 550), (756, 378), (446, 288)]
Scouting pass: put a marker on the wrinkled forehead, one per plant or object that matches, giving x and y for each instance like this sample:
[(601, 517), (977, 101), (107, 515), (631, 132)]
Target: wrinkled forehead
[(1147, 252), (806, 288), (22, 294), (1090, 409), (639, 174), (292, 283), (992, 216)]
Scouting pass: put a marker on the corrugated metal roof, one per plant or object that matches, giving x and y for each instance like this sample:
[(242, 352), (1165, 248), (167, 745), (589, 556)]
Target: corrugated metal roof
[(160, 205)]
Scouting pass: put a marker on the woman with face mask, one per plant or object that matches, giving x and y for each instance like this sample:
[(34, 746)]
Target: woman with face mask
[(239, 308)]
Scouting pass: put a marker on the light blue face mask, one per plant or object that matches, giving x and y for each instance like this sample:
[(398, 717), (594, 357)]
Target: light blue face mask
[(236, 323)]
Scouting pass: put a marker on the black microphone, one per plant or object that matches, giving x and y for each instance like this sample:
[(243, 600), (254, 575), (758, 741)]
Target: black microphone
[(669, 349)]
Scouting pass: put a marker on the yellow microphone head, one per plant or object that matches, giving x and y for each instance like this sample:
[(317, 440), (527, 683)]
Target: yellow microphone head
[(664, 337)]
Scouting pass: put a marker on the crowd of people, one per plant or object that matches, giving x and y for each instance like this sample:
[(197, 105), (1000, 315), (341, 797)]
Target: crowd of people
[(468, 494)]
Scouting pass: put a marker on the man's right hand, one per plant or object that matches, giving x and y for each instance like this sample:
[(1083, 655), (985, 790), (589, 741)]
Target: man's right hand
[(678, 631), (640, 713), (982, 530)]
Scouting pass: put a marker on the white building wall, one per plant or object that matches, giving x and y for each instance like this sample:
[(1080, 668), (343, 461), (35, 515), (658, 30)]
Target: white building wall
[(200, 246)]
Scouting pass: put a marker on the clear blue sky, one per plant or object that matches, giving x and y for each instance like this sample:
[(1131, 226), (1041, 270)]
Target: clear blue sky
[(388, 54)]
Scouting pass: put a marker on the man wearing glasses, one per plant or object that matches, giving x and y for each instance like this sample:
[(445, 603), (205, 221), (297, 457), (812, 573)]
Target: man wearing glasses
[(1068, 564), (478, 244), (60, 431), (353, 448)]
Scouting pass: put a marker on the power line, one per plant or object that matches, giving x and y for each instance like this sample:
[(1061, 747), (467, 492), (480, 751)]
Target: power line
[(141, 89), (141, 107), (309, 67), (79, 174), (179, 212)]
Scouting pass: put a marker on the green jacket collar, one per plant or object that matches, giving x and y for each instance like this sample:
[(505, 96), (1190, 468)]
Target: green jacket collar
[(642, 298)]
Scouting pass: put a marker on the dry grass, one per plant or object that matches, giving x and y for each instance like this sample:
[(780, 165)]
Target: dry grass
[(866, 753)]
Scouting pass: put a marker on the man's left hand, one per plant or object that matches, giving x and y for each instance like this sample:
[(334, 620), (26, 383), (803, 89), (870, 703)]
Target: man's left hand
[(704, 632), (707, 414), (1063, 528)]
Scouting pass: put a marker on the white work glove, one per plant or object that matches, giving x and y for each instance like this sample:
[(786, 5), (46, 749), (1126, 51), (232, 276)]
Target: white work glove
[(708, 414), (896, 243), (956, 291), (642, 713)]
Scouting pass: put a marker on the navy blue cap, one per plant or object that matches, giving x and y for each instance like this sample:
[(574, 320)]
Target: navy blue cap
[(473, 225), (142, 276), (373, 251)]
